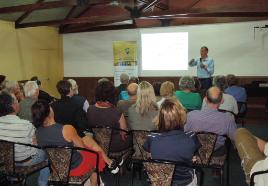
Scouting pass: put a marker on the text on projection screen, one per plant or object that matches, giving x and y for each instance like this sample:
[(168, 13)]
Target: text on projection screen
[(165, 51)]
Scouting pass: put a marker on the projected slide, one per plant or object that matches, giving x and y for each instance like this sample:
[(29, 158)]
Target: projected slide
[(164, 51)]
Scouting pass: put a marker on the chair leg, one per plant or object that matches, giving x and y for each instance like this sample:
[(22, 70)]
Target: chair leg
[(221, 177)]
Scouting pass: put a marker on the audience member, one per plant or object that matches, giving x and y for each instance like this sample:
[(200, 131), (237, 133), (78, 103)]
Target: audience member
[(81, 100), (65, 135), (13, 87), (104, 113), (253, 153), (209, 119), (42, 94), (190, 100), (2, 81), (121, 90), (229, 103), (161, 145), (31, 91), (67, 110), (14, 129), (123, 105), (239, 93), (166, 91), (157, 86), (142, 113)]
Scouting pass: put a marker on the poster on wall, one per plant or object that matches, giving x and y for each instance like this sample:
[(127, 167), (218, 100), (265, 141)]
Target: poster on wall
[(125, 59)]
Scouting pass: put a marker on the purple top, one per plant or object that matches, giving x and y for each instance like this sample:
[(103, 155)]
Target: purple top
[(211, 120)]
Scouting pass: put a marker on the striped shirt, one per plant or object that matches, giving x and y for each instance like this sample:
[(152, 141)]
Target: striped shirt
[(14, 129), (211, 120)]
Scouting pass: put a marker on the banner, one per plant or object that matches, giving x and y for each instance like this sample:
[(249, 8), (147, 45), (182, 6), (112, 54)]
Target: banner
[(125, 59)]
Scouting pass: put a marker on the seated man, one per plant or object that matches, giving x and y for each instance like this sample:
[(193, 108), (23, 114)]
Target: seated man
[(209, 119), (253, 153), (123, 105), (229, 103), (31, 91), (14, 129), (81, 100)]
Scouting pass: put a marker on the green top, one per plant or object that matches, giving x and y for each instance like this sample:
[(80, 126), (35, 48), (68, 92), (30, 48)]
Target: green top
[(189, 100)]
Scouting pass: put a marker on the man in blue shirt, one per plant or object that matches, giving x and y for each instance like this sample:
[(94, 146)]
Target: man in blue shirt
[(205, 68)]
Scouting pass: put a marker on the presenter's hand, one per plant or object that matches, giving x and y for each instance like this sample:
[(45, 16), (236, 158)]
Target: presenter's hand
[(191, 62), (202, 65)]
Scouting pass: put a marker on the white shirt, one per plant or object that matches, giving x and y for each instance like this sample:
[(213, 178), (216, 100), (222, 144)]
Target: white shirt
[(262, 179)]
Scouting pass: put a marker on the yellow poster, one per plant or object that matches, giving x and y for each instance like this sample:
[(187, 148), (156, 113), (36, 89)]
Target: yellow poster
[(125, 53)]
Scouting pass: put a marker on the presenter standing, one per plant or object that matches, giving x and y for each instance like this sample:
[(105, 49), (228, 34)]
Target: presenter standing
[(205, 68)]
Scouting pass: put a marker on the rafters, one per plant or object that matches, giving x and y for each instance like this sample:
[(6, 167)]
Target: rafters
[(49, 5), (21, 18)]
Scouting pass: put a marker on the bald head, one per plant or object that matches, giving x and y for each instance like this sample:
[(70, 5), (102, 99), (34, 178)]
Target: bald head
[(214, 96), (132, 89)]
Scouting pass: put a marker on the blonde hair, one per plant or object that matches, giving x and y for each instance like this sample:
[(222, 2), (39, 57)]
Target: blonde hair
[(146, 99), (172, 115), (30, 88), (167, 89)]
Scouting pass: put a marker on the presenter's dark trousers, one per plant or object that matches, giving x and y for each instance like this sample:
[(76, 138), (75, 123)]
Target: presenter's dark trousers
[(206, 83)]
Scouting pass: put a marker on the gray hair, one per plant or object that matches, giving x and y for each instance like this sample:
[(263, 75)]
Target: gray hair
[(11, 86), (186, 82), (74, 85), (103, 80), (30, 88), (124, 78), (220, 82)]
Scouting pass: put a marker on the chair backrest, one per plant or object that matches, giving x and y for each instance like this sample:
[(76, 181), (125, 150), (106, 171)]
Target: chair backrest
[(7, 157), (242, 108), (230, 112), (207, 141), (139, 138), (103, 136), (160, 173), (60, 162)]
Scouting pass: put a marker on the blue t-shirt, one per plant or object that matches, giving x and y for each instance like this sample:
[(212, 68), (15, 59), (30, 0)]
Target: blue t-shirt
[(201, 72), (174, 146)]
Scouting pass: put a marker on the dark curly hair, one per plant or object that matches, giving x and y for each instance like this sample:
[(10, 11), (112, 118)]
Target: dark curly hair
[(6, 101), (40, 110), (105, 91)]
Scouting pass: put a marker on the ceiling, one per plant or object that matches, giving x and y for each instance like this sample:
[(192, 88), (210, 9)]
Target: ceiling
[(72, 16)]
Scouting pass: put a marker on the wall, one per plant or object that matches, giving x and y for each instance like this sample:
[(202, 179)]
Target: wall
[(31, 52), (232, 46)]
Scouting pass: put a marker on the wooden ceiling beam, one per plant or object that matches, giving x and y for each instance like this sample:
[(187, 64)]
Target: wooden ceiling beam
[(102, 28), (27, 13), (91, 25), (80, 20), (52, 4), (182, 14)]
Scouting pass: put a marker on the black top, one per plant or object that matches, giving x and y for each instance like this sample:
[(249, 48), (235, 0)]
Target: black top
[(80, 100), (68, 111), (174, 146), (56, 139), (108, 117), (45, 96)]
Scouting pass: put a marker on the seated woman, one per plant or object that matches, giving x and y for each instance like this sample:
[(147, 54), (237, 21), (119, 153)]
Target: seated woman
[(105, 113), (171, 143), (143, 112), (190, 100), (66, 135), (166, 91)]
